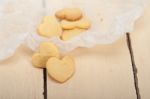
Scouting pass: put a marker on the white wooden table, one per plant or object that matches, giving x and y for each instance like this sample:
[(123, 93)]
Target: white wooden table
[(102, 72)]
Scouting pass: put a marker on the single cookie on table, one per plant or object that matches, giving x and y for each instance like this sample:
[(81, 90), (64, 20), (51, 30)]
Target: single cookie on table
[(50, 27), (69, 34), (61, 69), (71, 14)]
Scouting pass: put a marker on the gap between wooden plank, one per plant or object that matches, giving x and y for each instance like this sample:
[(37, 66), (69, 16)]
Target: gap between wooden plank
[(45, 83), (132, 60), (44, 70), (134, 68)]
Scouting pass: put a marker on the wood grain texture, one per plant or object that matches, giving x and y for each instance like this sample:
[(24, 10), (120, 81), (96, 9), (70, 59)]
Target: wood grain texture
[(141, 48), (19, 79), (102, 72)]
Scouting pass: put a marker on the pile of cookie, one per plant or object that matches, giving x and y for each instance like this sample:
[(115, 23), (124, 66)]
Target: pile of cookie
[(66, 24), (59, 68)]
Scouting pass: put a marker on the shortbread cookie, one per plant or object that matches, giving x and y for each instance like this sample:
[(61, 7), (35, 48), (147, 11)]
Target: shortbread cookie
[(39, 61), (49, 49), (69, 34), (82, 24), (61, 70), (50, 27), (46, 51), (70, 14)]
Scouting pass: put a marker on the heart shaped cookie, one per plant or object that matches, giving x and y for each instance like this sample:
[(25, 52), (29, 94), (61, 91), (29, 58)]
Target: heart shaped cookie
[(70, 14), (60, 70), (50, 27), (39, 61), (69, 34), (81, 24), (49, 49)]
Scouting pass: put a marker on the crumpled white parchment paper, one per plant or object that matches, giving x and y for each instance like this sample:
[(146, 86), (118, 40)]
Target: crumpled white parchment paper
[(110, 20)]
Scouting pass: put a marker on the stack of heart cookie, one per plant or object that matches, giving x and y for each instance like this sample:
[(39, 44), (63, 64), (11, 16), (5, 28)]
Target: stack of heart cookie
[(66, 24), (59, 68)]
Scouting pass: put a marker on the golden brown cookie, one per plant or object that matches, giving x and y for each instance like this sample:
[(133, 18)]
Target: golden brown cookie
[(50, 27), (49, 49), (70, 14), (69, 34), (39, 61), (46, 51), (81, 24), (61, 70)]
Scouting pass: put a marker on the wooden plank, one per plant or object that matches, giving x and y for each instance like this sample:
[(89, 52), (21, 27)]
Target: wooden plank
[(141, 48), (102, 72), (18, 78)]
